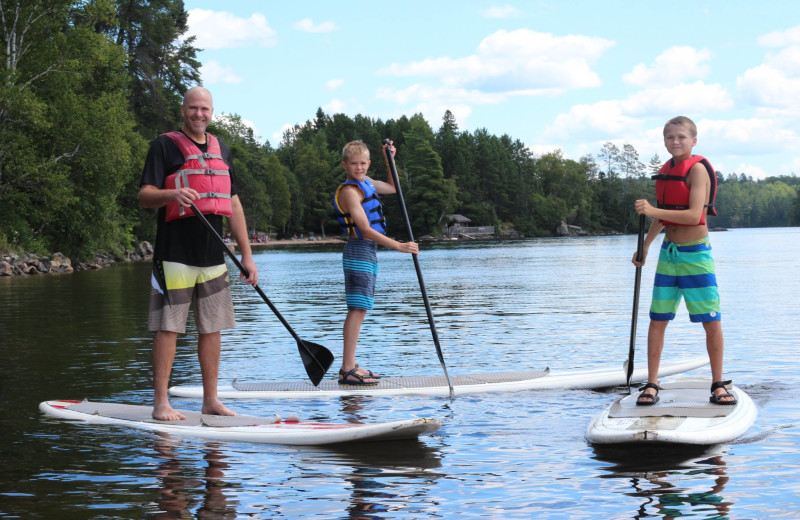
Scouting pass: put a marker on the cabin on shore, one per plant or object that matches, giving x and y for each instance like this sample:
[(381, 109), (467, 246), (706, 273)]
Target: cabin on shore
[(459, 226)]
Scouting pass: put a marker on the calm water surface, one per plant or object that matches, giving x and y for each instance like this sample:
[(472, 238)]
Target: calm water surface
[(562, 303)]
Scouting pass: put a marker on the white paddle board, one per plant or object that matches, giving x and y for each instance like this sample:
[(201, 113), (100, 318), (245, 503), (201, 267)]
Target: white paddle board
[(682, 415), (437, 385), (242, 428)]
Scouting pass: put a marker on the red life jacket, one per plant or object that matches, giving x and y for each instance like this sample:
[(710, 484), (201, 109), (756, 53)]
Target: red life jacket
[(672, 192), (206, 173)]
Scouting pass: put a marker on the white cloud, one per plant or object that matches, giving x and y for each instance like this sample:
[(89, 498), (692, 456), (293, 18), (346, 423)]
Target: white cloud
[(671, 67), (781, 38), (749, 169), (333, 84), (521, 61), (427, 94), (680, 99), (542, 149), (212, 72), (604, 118), (770, 86), (751, 136), (223, 30), (277, 137), (505, 11), (608, 119), (335, 106), (307, 25)]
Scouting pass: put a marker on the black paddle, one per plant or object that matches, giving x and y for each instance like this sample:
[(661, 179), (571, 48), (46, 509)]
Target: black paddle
[(316, 358), (639, 255), (403, 210)]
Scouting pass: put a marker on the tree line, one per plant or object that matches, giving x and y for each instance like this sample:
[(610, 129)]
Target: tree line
[(84, 85)]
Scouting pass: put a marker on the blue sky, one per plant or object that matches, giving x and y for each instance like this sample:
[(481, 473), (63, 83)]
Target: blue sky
[(567, 75)]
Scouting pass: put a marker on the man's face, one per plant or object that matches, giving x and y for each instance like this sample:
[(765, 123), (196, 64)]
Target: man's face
[(197, 111)]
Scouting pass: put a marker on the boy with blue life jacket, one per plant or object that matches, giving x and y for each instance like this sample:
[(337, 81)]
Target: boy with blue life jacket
[(360, 214), (685, 191), (188, 263)]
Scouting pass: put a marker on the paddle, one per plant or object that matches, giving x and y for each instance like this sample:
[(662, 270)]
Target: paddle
[(316, 358), (403, 210), (639, 254)]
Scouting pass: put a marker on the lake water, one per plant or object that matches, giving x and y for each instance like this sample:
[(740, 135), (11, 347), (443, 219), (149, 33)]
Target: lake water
[(499, 306)]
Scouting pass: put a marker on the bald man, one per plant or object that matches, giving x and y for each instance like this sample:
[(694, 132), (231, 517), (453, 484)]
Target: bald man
[(183, 167)]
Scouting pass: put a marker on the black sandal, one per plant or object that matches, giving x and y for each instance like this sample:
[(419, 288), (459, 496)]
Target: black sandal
[(343, 378), (653, 397), (717, 399), (370, 374)]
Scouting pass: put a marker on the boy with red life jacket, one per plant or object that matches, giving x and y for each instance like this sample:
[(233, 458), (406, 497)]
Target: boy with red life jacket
[(685, 191), (361, 216), (189, 265)]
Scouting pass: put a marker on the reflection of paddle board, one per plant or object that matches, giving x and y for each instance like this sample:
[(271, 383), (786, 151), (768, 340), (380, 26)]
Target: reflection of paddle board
[(241, 428), (437, 385), (683, 415)]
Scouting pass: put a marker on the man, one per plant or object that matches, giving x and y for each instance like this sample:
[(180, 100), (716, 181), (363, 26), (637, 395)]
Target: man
[(191, 166)]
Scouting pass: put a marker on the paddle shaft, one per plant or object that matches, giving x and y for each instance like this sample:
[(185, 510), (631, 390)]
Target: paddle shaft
[(636, 287), (407, 221), (246, 274)]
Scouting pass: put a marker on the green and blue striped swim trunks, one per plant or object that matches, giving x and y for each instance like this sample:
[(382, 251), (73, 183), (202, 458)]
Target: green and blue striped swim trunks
[(685, 271), (360, 263)]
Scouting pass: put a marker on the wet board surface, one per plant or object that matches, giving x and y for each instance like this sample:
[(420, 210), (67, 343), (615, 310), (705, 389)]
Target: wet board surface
[(682, 415), (437, 385), (243, 428)]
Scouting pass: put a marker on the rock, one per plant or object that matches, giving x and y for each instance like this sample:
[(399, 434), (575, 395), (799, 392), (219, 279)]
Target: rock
[(6, 269)]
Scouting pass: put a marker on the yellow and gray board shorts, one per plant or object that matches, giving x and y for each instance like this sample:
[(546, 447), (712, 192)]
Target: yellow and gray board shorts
[(685, 271), (207, 288)]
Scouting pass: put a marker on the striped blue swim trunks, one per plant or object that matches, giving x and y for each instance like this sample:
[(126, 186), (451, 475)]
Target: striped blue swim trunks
[(685, 271), (360, 263)]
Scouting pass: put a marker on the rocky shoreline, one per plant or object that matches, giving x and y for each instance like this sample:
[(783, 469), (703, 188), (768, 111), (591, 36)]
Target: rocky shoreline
[(26, 264)]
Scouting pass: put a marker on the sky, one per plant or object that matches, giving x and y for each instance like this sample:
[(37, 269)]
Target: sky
[(555, 75)]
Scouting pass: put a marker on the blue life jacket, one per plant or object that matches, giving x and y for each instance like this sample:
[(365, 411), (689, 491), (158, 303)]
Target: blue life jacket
[(372, 207)]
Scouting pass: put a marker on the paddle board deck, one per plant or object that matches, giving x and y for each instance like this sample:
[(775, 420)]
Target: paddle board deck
[(682, 415), (437, 385), (240, 428)]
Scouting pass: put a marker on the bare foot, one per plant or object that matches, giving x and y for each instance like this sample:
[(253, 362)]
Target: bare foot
[(166, 412), (217, 408)]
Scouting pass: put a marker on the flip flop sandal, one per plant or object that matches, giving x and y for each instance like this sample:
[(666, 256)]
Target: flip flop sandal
[(718, 399), (343, 378), (653, 397)]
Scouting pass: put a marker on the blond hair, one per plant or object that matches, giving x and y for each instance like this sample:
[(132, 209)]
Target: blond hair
[(682, 121), (354, 148)]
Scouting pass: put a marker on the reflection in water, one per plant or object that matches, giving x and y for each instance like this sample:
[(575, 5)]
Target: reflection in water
[(374, 473), (661, 496), (176, 488), (671, 502)]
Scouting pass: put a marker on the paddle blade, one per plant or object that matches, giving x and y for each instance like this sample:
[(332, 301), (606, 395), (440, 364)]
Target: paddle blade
[(316, 360)]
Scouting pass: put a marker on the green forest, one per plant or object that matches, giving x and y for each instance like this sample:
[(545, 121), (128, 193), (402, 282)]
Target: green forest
[(87, 84)]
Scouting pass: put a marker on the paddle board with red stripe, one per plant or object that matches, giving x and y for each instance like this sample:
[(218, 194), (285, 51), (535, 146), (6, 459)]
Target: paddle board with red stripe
[(241, 428)]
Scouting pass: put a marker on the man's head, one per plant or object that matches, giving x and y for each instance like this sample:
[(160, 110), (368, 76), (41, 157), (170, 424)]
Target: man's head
[(197, 110)]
